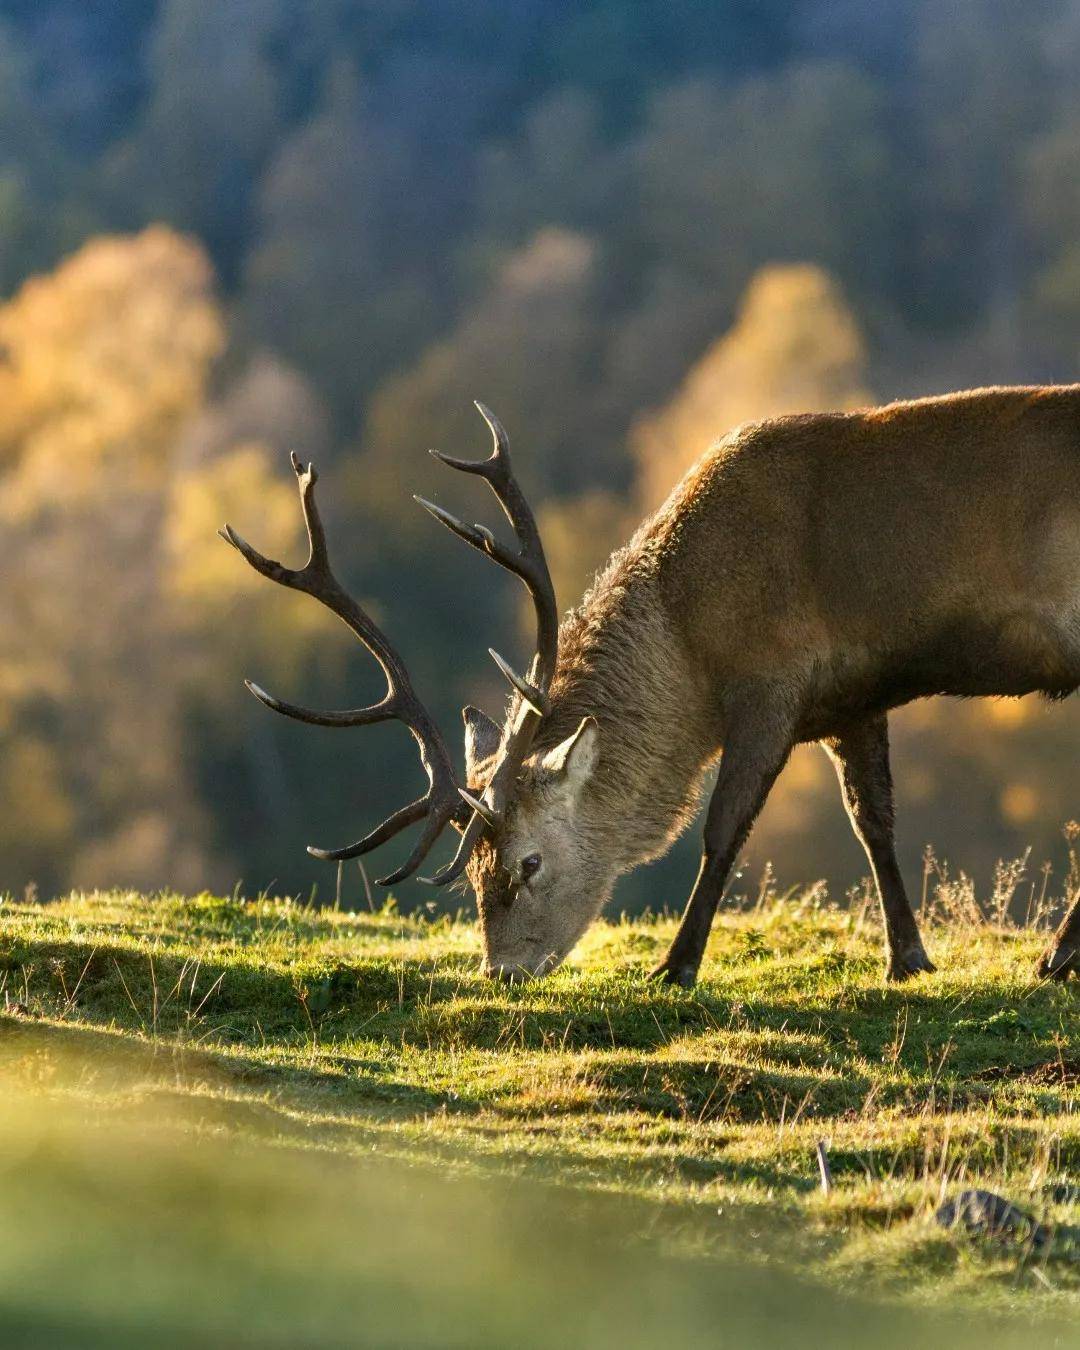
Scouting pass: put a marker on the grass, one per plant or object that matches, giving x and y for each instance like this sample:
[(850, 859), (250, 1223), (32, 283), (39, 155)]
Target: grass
[(267, 1025)]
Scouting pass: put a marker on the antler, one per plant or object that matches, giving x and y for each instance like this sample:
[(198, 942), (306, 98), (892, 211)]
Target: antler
[(443, 800), (529, 564)]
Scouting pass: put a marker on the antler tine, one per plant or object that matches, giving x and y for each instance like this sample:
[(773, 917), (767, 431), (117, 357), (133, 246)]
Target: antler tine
[(535, 698), (478, 535), (440, 804), (500, 448), (318, 560), (407, 815), (528, 563), (481, 808), (430, 833), (457, 864), (353, 717)]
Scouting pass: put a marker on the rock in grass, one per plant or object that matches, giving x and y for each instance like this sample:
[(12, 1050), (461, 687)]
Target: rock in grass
[(984, 1214)]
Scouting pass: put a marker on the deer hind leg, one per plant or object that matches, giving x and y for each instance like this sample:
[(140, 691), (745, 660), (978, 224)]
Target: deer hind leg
[(1062, 958), (754, 753), (861, 757)]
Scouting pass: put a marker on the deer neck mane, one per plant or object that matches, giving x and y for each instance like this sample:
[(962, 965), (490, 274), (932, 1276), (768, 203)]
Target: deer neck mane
[(621, 662)]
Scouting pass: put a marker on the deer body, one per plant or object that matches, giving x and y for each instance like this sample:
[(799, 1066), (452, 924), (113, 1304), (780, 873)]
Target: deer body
[(864, 560), (807, 575)]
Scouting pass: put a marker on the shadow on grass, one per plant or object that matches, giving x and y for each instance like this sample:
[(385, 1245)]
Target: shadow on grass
[(727, 1050)]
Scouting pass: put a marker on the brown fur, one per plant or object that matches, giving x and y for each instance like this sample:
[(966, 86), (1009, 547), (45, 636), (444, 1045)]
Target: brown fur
[(806, 576)]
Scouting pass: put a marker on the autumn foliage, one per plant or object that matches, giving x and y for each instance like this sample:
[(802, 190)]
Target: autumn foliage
[(232, 231)]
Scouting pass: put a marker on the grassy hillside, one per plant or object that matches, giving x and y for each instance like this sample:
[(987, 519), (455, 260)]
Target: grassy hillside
[(361, 1036)]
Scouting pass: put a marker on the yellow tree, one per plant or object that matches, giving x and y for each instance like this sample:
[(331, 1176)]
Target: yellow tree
[(794, 347), (104, 358), (107, 609)]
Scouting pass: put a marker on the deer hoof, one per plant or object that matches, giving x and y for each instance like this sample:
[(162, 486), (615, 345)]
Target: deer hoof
[(674, 972), (1059, 962), (911, 961)]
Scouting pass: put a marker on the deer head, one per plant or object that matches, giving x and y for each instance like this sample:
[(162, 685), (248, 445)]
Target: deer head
[(541, 874), (523, 818)]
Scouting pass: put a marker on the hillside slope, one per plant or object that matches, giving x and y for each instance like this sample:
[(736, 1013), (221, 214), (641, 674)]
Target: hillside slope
[(361, 1033)]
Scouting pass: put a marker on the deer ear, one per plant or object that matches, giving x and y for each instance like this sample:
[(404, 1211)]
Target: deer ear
[(575, 758), (482, 736)]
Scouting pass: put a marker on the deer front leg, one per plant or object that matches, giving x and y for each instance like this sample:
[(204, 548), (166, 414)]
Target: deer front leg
[(861, 758), (1062, 957), (753, 756)]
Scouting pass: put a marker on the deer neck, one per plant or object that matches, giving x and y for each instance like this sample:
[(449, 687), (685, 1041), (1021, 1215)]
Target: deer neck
[(621, 662)]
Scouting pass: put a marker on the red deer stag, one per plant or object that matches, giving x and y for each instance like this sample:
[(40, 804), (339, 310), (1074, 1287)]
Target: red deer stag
[(806, 576)]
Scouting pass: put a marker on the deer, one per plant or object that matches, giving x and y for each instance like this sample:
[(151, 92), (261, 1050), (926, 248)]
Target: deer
[(807, 576)]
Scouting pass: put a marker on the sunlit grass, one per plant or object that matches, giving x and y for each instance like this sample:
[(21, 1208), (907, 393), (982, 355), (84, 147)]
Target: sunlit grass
[(374, 1033)]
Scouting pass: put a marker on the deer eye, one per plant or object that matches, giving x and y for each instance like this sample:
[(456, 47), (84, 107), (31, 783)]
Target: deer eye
[(530, 865)]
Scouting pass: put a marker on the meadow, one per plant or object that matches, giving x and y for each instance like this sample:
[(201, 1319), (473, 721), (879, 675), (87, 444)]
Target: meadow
[(241, 1055)]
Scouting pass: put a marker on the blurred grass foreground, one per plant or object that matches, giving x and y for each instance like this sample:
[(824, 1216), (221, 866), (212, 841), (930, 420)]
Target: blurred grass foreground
[(257, 1123), (137, 1234)]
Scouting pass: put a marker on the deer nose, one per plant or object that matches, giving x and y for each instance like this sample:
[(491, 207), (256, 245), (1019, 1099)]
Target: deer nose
[(506, 972)]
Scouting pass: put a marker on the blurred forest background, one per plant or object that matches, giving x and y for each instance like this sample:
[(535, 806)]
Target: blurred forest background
[(235, 229)]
